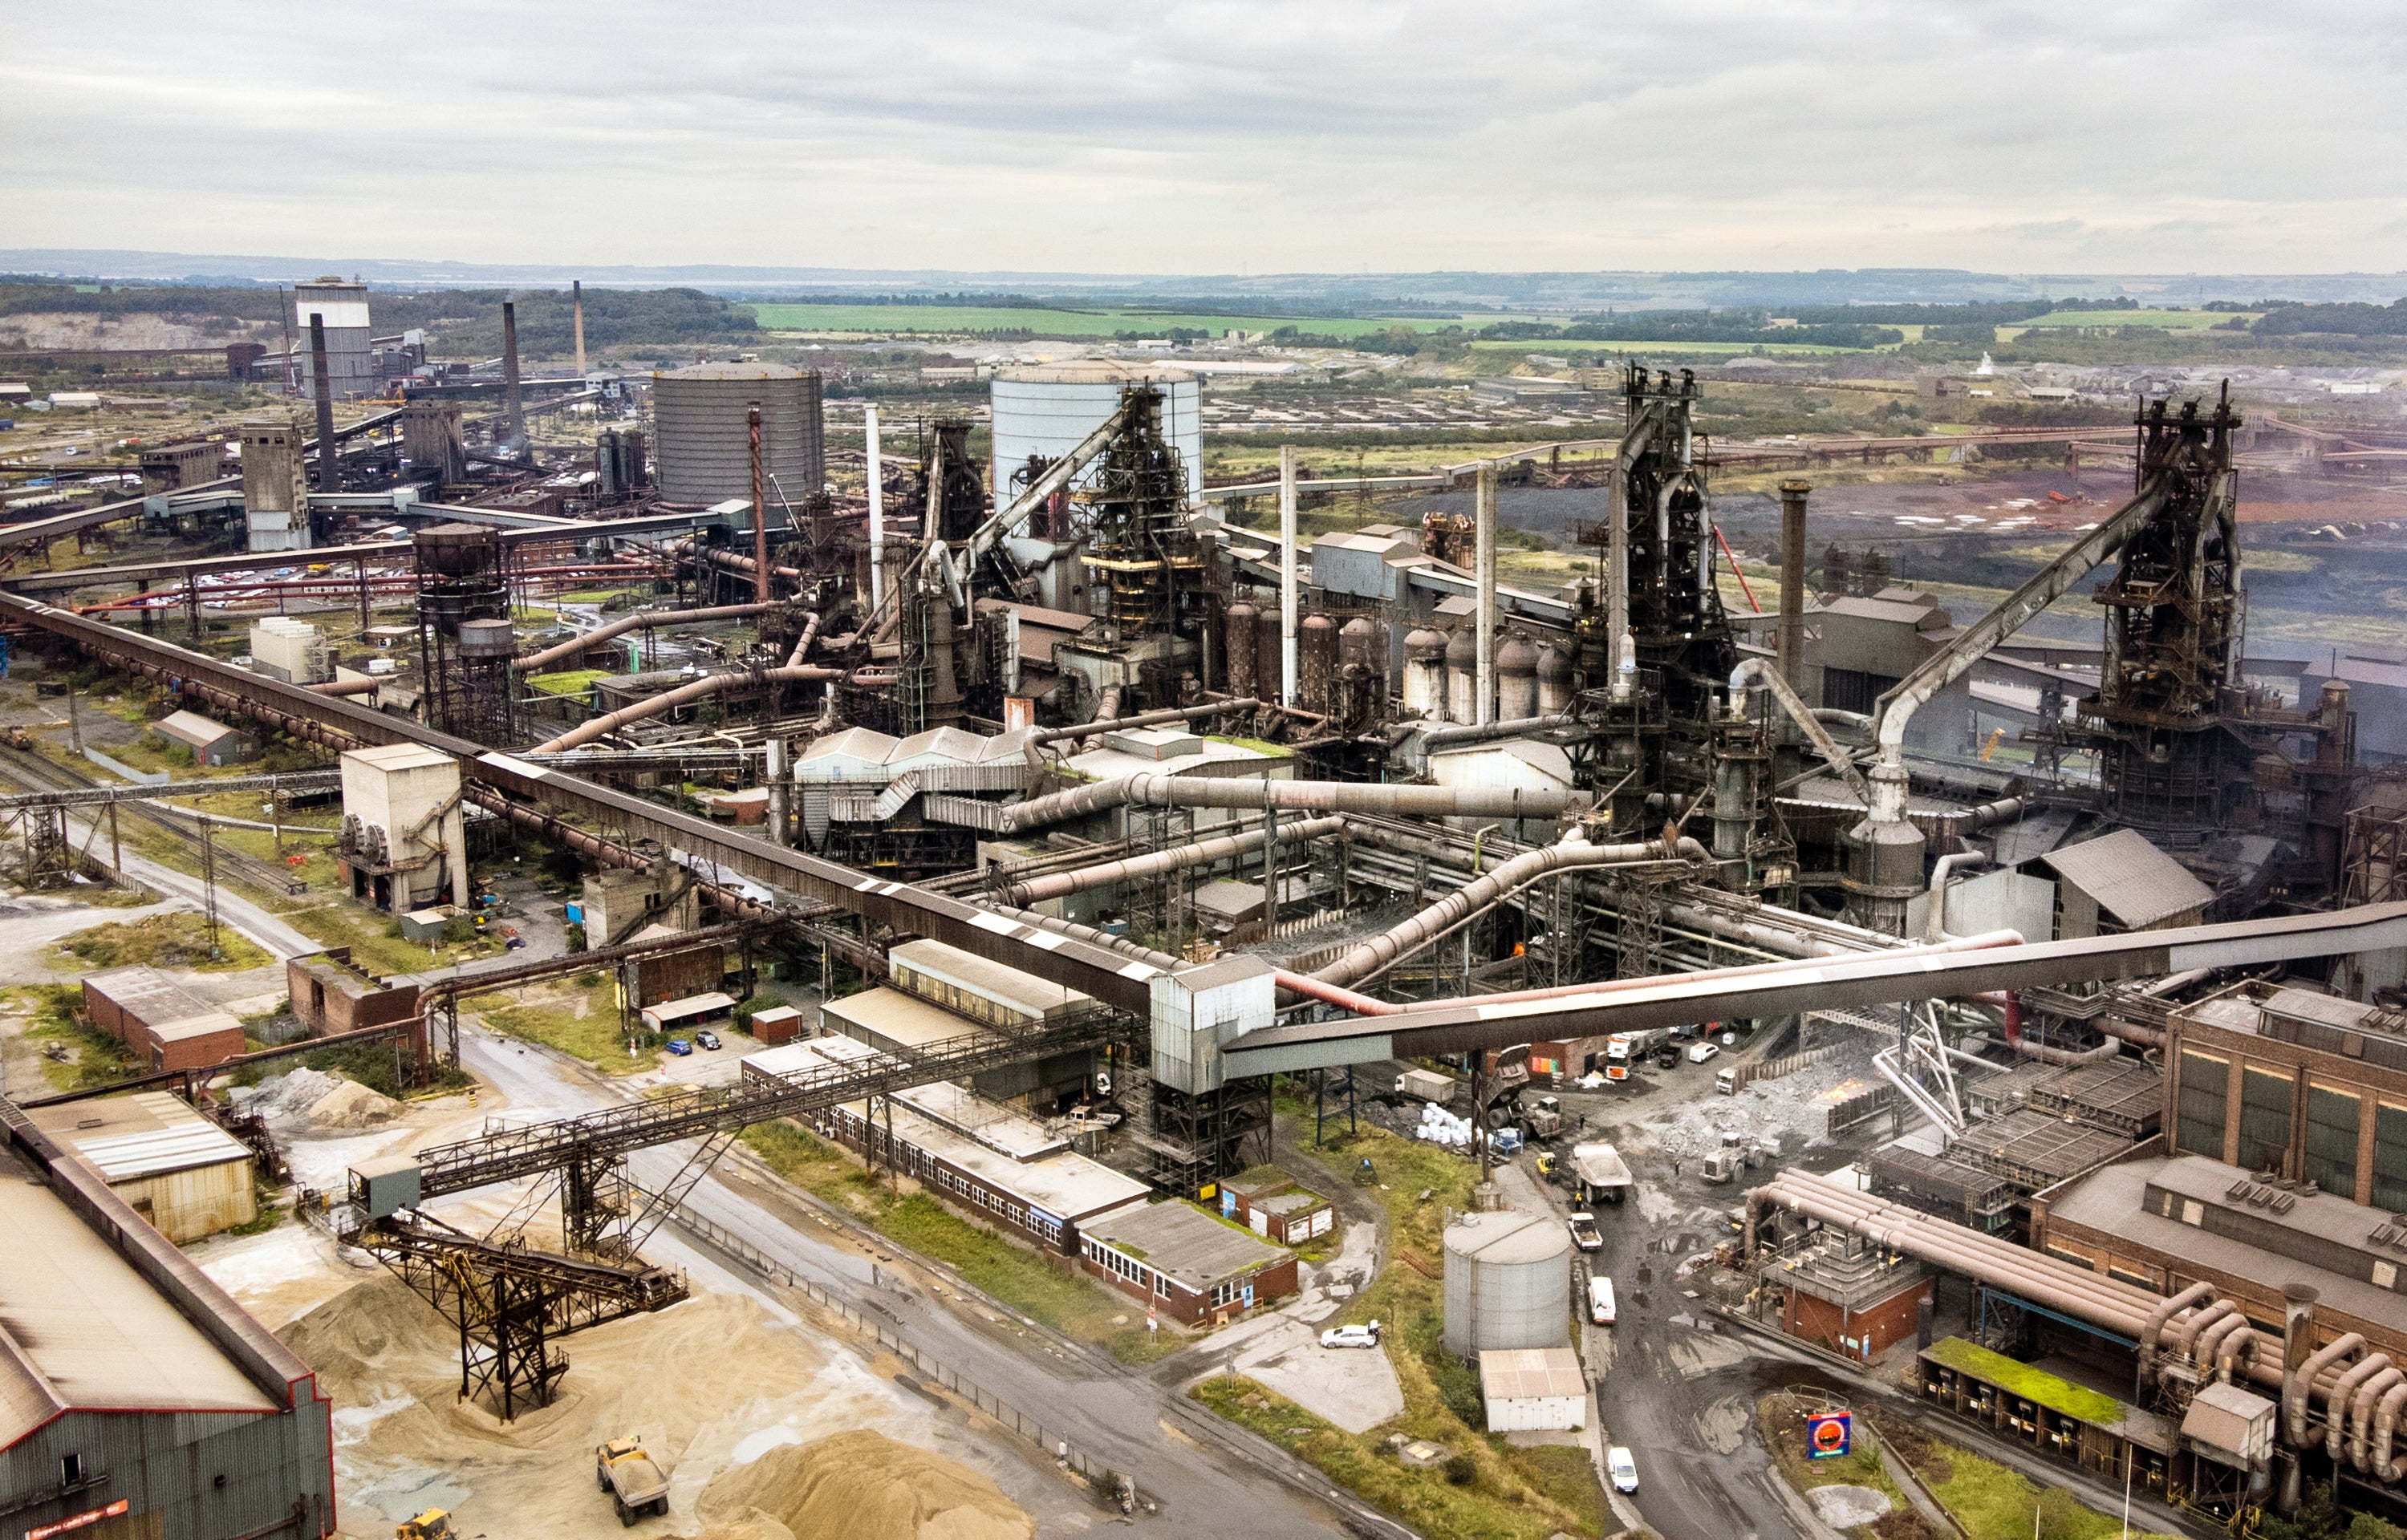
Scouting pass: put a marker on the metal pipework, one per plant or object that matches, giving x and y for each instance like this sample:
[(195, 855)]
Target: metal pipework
[(2216, 1340), (344, 687), (1287, 617), (2197, 1293), (1756, 671), (2379, 1463), (1792, 634), (1489, 889), (1480, 732), (1144, 719), (625, 623), (586, 732), (1935, 926), (803, 642), (1950, 663), (1148, 789), (2295, 1390), (1484, 575), (1061, 884), (2335, 1406), (2185, 1333), (2360, 1411)]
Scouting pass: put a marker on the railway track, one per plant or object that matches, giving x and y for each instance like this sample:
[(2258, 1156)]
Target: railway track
[(30, 771)]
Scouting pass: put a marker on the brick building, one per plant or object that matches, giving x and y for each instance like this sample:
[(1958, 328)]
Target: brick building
[(1185, 1263)]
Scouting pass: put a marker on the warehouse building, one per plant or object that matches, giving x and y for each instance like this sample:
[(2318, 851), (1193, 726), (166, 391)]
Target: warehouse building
[(213, 743), (1533, 1389), (163, 1025), (137, 1398), (183, 1173)]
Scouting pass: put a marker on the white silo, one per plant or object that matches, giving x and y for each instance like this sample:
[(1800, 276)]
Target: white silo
[(1048, 409), (1508, 1282)]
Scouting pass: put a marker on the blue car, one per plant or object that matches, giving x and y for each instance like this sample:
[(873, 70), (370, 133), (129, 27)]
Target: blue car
[(679, 1047)]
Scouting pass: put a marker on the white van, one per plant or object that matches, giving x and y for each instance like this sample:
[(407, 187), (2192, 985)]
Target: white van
[(1600, 1300)]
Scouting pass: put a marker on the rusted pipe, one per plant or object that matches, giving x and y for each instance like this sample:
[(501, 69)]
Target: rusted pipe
[(2379, 1463), (1478, 733), (2185, 1335), (692, 690), (626, 623), (1487, 890), (2343, 1394), (2197, 1293), (1144, 719), (803, 642), (2205, 1350), (1151, 789), (2295, 1390), (1059, 885)]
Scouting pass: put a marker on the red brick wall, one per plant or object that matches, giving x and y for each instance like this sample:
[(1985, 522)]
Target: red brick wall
[(103, 1011), (196, 1052), (1883, 1325)]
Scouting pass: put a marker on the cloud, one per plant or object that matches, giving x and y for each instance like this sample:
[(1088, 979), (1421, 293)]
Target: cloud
[(2018, 135)]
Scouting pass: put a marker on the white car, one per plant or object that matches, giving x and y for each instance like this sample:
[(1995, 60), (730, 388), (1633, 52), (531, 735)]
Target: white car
[(1600, 1300), (1623, 1469), (1351, 1337), (1700, 1052)]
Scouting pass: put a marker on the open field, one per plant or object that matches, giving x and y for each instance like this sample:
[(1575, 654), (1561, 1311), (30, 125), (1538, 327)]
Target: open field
[(2172, 321), (945, 318)]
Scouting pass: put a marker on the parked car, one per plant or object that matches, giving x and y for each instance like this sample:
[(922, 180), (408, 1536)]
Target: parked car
[(1667, 1057), (706, 1038), (679, 1047), (1585, 1234), (1600, 1300), (1624, 1469), (1351, 1337), (1701, 1053)]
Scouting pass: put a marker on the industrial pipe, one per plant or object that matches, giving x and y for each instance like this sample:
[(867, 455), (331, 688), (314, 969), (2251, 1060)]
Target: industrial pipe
[(2205, 1351), (1093, 937), (1485, 891), (2379, 1463), (691, 690), (625, 623), (1480, 732), (1152, 789), (2294, 1388), (344, 686), (1061, 884), (1484, 589), (2343, 1395), (1790, 634), (877, 469), (1756, 671), (1935, 925), (2185, 1333), (803, 642), (2150, 1330), (2360, 1411), (1145, 719), (2239, 1344)]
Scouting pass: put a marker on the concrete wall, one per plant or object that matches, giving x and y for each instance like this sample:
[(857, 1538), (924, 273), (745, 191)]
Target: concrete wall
[(184, 1206)]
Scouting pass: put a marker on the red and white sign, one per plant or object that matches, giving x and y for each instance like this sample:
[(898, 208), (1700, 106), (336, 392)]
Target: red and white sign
[(79, 1521)]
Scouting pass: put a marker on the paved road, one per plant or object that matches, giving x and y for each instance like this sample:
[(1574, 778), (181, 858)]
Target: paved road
[(1135, 1425)]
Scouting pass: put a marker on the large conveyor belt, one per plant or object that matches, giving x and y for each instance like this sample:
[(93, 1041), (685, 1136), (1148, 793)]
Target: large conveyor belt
[(498, 781), (620, 1130)]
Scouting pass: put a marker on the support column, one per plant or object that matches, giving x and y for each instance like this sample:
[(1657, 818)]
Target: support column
[(576, 296), (1286, 574), (1484, 562), (779, 793), (1623, 665), (1792, 583), (877, 509)]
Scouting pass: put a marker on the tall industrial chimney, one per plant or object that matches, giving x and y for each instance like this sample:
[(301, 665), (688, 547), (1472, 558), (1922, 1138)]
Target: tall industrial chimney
[(1484, 562), (576, 296), (1287, 575), (759, 514), (1792, 582), (876, 508), (513, 409), (330, 470)]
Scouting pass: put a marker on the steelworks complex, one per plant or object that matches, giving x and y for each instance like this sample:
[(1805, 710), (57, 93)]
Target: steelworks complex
[(1091, 811)]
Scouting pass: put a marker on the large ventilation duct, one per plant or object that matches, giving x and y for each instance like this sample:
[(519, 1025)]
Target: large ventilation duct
[(1253, 795), (1061, 884)]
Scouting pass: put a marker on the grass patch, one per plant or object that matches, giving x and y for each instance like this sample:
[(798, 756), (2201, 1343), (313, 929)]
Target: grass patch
[(571, 682), (1993, 1502), (1012, 1273), (581, 1023), (1422, 1496), (2033, 1385), (163, 940), (96, 1058), (1521, 1491)]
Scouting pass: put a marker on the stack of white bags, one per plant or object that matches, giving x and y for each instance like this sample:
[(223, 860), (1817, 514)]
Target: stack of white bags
[(1440, 1126)]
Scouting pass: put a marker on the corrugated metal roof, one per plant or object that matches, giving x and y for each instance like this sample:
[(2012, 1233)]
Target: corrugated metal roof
[(2028, 839), (185, 1147), (2129, 878)]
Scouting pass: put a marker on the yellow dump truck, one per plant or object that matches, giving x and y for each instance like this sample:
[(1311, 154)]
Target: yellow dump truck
[(634, 1480), (434, 1524)]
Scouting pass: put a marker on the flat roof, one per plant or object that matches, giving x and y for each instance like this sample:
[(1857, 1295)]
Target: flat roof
[(207, 1025), (989, 1123), (692, 1005), (1108, 764), (898, 1017), (2034, 1385), (146, 993), (148, 1133), (398, 756), (1067, 1186), (1531, 1374), (1181, 1240), (1507, 1234), (80, 1328), (990, 980)]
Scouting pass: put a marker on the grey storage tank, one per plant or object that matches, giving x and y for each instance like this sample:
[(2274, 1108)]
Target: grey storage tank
[(1424, 674), (703, 442), (1516, 670), (1242, 654), (1463, 676), (1508, 1282)]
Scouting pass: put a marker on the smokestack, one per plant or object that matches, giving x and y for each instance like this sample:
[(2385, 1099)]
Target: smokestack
[(759, 514), (1792, 582), (1616, 578), (1484, 564), (877, 509), (513, 410), (576, 296), (1286, 574), (330, 472), (2297, 1344)]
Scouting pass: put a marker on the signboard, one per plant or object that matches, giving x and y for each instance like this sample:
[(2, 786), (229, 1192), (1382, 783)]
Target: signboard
[(79, 1521), (1207, 1191), (1828, 1434)]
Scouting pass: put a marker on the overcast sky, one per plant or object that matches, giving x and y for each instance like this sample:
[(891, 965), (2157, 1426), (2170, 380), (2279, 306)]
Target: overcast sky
[(2243, 136)]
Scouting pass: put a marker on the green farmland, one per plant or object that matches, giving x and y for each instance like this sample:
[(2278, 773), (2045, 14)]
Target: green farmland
[(944, 319)]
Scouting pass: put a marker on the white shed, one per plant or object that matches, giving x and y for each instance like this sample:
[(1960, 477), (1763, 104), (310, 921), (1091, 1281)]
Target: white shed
[(1533, 1389), (1523, 764)]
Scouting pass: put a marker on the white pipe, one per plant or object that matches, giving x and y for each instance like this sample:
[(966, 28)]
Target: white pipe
[(877, 509), (1935, 926), (1287, 575)]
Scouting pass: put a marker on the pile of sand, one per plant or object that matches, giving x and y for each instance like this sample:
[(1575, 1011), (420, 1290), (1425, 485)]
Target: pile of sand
[(858, 1485), (317, 1099)]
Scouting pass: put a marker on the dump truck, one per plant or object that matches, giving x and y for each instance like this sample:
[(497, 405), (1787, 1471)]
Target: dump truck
[(1426, 1085), (1542, 1116), (634, 1480), (1599, 1174), (434, 1524)]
